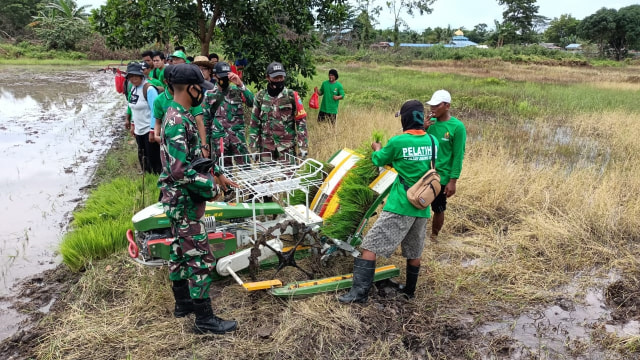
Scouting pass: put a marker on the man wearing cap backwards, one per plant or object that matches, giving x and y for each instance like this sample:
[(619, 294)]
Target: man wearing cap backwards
[(191, 259), (452, 136), (224, 114), (161, 104), (278, 120), (400, 222), (332, 92), (139, 119)]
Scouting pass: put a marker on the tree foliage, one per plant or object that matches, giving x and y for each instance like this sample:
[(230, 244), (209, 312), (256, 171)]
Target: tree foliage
[(614, 31), (562, 30), (519, 18), (264, 31), (61, 24), (411, 7), (15, 15)]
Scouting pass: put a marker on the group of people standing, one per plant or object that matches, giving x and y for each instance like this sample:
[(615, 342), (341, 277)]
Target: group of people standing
[(183, 112)]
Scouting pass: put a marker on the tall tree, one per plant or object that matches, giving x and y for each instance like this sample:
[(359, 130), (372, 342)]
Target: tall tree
[(521, 14), (61, 24), (264, 31), (562, 28), (411, 7), (613, 30), (479, 34), (363, 30)]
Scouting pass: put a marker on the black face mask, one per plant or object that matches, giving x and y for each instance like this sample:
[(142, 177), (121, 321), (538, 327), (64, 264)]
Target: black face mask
[(195, 100), (223, 82), (275, 87)]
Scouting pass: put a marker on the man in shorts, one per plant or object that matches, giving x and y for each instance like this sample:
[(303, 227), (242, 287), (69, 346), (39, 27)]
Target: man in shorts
[(452, 137), (332, 92), (400, 223)]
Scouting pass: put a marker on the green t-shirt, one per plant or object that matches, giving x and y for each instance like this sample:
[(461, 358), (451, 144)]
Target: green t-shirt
[(158, 74), (327, 91), (451, 136), (162, 102), (410, 156)]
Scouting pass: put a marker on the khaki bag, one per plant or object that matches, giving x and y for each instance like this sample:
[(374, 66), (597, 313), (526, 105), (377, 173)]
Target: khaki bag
[(425, 190)]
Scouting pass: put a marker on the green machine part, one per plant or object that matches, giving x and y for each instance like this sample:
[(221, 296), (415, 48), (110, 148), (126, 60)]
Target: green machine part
[(153, 217)]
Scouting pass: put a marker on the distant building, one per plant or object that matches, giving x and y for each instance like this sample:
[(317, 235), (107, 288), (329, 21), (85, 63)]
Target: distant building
[(550, 46), (574, 47), (459, 40)]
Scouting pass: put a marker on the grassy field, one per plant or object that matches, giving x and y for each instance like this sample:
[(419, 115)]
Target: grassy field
[(547, 201)]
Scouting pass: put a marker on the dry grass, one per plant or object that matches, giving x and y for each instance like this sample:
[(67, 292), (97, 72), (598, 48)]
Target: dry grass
[(532, 210)]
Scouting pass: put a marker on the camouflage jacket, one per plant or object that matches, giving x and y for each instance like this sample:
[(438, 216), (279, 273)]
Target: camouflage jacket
[(180, 146), (223, 110), (273, 125)]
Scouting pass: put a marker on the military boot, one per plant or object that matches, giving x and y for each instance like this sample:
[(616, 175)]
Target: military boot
[(363, 272), (184, 304), (208, 322)]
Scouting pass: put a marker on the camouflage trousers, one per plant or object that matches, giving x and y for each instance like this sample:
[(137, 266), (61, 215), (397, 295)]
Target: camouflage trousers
[(190, 256), (234, 144)]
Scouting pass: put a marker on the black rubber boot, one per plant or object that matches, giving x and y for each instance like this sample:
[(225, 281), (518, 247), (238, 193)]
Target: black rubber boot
[(363, 272), (409, 288), (184, 304), (207, 322)]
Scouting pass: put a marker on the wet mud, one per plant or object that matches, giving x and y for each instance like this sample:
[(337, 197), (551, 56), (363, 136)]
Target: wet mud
[(55, 124)]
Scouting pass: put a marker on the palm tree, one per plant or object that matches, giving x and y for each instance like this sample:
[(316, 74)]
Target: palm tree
[(68, 9)]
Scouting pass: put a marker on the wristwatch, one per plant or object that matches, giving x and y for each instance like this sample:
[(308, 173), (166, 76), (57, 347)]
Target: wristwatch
[(205, 146)]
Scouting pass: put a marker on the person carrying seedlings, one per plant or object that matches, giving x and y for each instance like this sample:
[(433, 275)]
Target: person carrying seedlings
[(400, 223), (139, 119), (224, 113), (184, 194), (452, 136), (278, 120), (332, 92)]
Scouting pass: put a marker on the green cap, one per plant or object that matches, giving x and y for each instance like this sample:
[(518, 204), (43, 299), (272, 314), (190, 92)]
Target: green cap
[(180, 54)]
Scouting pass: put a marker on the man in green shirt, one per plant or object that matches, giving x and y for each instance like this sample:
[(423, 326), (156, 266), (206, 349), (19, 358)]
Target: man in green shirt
[(400, 224), (452, 136), (158, 66), (332, 92), (161, 104)]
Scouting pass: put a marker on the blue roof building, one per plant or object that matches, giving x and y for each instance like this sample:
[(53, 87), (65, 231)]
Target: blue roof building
[(458, 41)]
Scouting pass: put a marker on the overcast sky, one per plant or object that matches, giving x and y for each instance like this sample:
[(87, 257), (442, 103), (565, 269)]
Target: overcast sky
[(468, 13)]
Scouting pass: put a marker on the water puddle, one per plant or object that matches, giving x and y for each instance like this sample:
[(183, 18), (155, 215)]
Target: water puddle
[(55, 124), (564, 327)]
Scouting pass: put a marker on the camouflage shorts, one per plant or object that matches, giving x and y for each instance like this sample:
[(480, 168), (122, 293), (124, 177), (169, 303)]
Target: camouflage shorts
[(392, 230)]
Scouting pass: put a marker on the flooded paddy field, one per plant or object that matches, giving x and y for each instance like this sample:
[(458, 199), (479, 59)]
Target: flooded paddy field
[(55, 124)]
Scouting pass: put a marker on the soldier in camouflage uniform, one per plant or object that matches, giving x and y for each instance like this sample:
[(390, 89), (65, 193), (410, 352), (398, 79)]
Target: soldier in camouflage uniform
[(224, 114), (183, 193), (278, 120)]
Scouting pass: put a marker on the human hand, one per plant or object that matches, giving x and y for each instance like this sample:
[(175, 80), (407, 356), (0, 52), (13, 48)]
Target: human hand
[(205, 153), (315, 89), (234, 78), (157, 137), (131, 129), (127, 125), (450, 189), (224, 183), (152, 136), (375, 146), (336, 97)]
